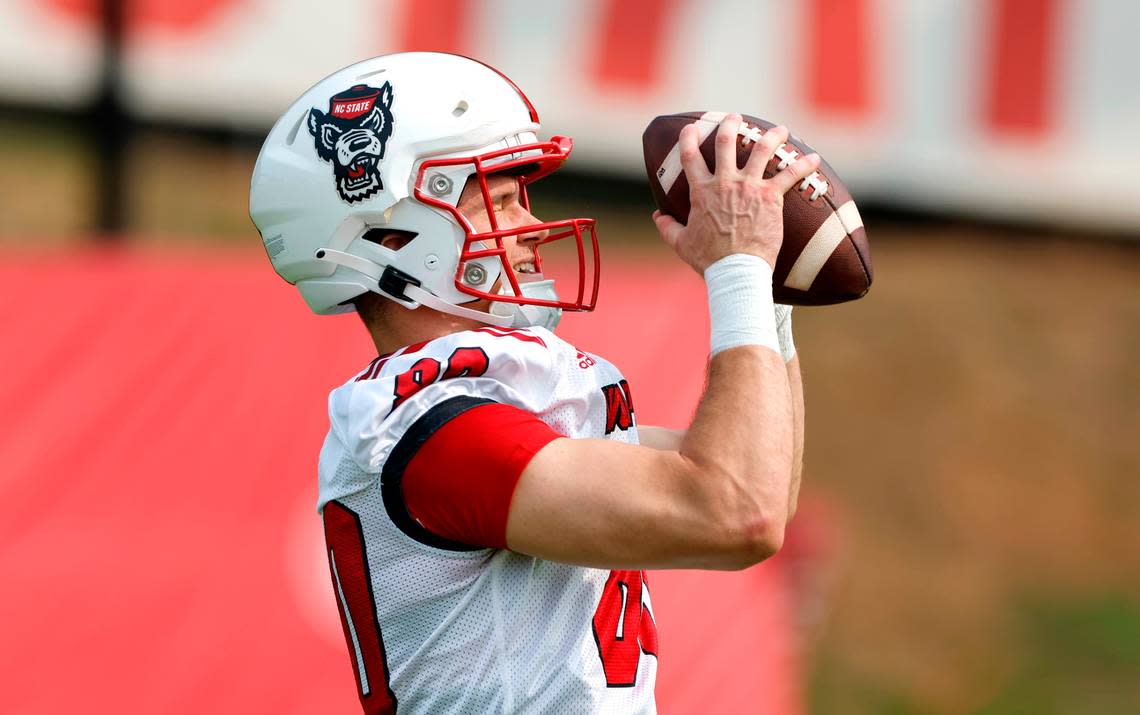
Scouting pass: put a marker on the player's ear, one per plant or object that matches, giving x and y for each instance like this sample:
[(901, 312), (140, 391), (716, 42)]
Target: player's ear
[(393, 240)]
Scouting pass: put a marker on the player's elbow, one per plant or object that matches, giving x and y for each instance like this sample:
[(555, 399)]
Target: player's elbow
[(742, 514), (766, 536), (758, 538), (752, 532)]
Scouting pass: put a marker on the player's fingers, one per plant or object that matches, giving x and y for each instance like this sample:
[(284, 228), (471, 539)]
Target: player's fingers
[(669, 227), (726, 137), (795, 172), (764, 150), (691, 160)]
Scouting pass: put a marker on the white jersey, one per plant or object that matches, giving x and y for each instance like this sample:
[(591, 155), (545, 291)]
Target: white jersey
[(437, 627)]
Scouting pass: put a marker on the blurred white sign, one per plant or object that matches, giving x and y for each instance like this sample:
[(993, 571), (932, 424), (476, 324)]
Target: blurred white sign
[(1010, 108)]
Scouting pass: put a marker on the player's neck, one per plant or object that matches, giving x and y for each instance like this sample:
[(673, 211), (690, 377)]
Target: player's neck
[(394, 329)]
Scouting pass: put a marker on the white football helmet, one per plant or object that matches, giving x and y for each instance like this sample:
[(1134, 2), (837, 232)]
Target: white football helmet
[(390, 143)]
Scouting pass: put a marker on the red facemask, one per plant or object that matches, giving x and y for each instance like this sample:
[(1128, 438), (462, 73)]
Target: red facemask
[(529, 168)]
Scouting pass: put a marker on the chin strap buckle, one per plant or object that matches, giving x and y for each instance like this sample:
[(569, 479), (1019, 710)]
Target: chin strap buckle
[(393, 281)]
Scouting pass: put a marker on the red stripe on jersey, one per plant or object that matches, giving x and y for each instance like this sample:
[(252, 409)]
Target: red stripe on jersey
[(379, 366), (367, 374), (413, 348), (374, 368), (512, 333), (461, 481)]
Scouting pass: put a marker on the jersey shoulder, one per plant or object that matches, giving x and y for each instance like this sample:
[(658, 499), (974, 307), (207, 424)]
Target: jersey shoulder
[(371, 411)]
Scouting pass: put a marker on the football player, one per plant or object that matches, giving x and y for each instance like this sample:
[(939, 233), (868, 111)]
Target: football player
[(489, 502)]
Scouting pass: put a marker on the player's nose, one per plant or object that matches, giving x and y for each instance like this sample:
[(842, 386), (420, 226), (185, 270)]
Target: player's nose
[(534, 237), (538, 235)]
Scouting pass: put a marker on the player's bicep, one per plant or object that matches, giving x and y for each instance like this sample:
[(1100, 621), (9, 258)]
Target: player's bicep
[(608, 504), (660, 437)]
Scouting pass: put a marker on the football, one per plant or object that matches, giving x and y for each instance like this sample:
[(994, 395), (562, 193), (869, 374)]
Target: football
[(825, 257)]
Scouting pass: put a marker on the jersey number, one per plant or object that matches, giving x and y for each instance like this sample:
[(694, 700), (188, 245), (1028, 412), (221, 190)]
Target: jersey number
[(464, 362), (623, 628), (352, 584)]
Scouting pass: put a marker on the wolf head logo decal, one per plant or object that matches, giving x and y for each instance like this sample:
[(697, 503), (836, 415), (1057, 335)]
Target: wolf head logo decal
[(352, 137)]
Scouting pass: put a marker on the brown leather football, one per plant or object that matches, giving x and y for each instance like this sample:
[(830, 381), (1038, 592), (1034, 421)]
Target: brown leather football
[(825, 257)]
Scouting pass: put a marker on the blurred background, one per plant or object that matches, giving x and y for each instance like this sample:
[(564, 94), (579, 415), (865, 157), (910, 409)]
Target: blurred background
[(968, 535)]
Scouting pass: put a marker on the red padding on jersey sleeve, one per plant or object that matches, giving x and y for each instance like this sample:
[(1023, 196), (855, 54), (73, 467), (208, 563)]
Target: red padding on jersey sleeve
[(461, 481)]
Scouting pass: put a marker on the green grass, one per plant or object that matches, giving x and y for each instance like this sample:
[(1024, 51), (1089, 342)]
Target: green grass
[(1074, 657), (1080, 657)]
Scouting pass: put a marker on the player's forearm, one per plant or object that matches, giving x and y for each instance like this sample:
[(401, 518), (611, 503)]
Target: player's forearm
[(662, 438), (795, 382), (741, 447)]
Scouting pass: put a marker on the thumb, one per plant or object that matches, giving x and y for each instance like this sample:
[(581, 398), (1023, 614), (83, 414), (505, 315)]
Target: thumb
[(669, 227)]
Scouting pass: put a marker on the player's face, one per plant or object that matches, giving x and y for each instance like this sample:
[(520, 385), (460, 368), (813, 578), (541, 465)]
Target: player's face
[(509, 212)]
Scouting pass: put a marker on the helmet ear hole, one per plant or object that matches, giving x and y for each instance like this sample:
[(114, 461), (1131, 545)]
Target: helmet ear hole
[(460, 109), (391, 239)]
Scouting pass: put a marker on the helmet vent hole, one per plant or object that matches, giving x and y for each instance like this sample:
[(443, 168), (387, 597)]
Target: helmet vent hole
[(292, 136), (460, 109), (366, 75)]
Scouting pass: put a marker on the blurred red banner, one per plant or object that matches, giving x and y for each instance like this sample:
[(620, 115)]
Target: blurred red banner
[(161, 417)]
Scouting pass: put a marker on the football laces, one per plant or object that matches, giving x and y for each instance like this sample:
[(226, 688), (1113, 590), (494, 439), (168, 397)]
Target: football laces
[(814, 181)]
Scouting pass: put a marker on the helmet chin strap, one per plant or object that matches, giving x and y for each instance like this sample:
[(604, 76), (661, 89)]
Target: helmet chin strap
[(422, 297), (503, 315)]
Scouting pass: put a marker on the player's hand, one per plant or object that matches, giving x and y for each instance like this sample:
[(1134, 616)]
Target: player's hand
[(732, 210)]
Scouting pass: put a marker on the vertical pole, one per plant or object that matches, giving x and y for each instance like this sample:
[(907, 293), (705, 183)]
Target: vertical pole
[(111, 128)]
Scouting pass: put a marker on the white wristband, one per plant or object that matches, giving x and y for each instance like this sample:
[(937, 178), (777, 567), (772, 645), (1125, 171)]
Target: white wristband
[(741, 311), (784, 332)]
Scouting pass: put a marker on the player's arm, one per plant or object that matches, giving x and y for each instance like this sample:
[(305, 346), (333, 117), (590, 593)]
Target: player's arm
[(720, 501), (671, 439), (722, 497), (657, 507), (795, 382), (660, 437)]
